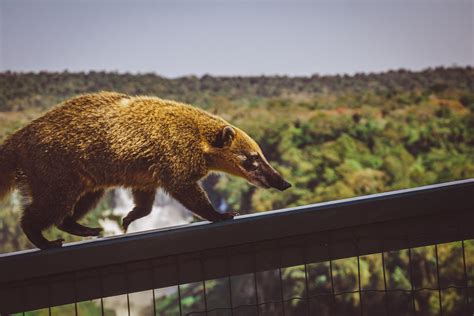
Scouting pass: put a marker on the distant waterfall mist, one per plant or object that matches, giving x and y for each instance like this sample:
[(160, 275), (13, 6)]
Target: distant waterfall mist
[(166, 212)]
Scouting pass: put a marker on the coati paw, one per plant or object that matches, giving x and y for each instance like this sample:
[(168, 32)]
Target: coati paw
[(53, 244), (234, 213), (95, 231), (228, 215)]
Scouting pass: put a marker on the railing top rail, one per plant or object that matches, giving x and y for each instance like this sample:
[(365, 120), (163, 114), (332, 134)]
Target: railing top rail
[(456, 196)]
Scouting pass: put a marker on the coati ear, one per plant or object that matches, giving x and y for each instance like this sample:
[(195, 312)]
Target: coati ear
[(225, 137)]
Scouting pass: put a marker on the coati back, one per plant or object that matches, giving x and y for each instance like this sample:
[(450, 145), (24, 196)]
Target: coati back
[(65, 159)]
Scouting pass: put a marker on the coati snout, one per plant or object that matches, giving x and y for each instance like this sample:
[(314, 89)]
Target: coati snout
[(259, 172), (242, 156), (263, 175), (70, 155)]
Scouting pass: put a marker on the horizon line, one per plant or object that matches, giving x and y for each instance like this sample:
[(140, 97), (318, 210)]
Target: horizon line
[(140, 73)]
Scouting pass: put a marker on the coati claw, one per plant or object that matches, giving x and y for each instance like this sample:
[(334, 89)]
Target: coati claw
[(228, 216), (53, 244), (58, 242), (233, 213)]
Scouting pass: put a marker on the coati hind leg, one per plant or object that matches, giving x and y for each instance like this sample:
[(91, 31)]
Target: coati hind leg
[(143, 200), (86, 203), (48, 208), (195, 199), (33, 224)]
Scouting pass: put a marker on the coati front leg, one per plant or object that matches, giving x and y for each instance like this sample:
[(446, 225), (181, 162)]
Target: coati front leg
[(87, 202), (143, 200), (195, 199)]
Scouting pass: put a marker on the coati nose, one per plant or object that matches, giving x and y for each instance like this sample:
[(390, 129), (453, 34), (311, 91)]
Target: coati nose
[(284, 185), (280, 184)]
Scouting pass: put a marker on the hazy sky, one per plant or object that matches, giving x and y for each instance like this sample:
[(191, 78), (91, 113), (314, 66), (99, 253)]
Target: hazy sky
[(175, 38)]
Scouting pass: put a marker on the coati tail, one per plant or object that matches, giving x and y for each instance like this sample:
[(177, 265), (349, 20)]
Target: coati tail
[(7, 170)]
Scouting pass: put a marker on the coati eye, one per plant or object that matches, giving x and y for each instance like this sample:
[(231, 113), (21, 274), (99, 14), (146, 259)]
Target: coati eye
[(251, 162)]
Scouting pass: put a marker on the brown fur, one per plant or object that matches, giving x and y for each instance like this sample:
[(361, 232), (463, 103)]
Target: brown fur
[(65, 159)]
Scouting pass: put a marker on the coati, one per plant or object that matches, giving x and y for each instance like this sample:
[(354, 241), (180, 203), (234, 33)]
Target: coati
[(64, 160)]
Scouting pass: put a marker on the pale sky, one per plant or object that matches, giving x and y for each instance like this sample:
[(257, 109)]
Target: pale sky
[(176, 38)]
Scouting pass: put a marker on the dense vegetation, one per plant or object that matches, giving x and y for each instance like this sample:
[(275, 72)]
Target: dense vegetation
[(332, 136)]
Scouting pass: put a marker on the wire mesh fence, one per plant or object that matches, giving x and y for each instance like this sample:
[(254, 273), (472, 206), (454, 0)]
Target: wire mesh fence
[(430, 280), (414, 263)]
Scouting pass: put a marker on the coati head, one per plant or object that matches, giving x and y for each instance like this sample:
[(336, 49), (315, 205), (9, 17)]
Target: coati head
[(234, 152)]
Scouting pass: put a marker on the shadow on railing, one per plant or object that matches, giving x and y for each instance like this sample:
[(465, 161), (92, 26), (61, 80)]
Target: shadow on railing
[(248, 246)]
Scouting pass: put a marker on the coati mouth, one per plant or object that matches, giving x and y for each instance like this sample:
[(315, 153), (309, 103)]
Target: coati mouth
[(261, 184)]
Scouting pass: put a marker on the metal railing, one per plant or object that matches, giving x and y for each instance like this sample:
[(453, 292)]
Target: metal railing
[(247, 245)]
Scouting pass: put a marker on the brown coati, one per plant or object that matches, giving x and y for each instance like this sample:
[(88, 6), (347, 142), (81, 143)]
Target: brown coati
[(64, 160)]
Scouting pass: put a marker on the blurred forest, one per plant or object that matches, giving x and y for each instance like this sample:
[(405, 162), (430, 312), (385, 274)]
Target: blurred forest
[(332, 137)]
